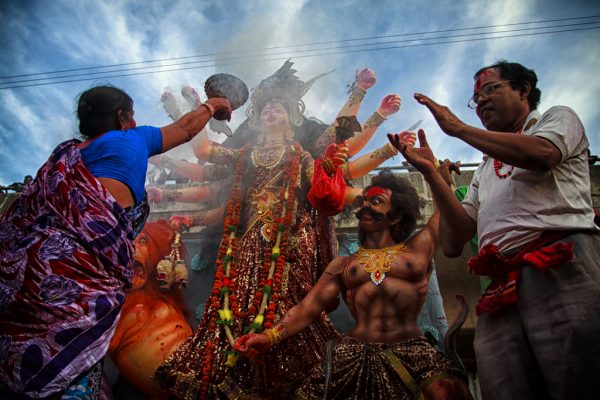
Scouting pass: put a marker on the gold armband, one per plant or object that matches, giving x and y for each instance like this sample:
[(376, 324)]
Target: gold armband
[(375, 119), (171, 195), (217, 153), (357, 94), (274, 335), (384, 152), (328, 166), (327, 137), (213, 152), (346, 171)]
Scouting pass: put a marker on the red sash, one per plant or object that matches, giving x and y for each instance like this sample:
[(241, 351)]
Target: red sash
[(505, 271)]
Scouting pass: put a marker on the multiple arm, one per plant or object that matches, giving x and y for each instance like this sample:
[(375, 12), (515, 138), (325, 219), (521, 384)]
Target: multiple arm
[(368, 162), (192, 171), (202, 218), (365, 79), (389, 105), (186, 195)]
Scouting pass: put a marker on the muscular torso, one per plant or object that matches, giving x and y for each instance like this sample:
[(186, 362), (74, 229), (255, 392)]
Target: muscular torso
[(386, 313)]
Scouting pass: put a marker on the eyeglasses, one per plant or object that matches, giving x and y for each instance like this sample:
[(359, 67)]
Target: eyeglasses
[(486, 91)]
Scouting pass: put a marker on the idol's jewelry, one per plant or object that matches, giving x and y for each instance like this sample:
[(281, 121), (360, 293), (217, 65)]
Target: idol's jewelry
[(274, 335), (172, 195), (357, 94), (384, 152), (379, 261), (374, 120), (267, 158)]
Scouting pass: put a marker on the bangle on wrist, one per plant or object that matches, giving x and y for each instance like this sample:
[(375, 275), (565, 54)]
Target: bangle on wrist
[(384, 152), (357, 90), (436, 165), (357, 94), (375, 119), (274, 335), (328, 166), (211, 109)]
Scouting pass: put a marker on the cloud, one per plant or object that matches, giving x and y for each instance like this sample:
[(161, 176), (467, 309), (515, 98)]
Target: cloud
[(37, 39)]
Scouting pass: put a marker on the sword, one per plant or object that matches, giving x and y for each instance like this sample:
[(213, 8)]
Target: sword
[(414, 126)]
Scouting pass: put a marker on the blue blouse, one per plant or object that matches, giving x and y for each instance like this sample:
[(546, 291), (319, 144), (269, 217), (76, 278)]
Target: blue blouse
[(123, 155)]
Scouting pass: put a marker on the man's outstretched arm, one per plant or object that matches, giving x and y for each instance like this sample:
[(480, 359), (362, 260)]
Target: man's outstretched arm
[(524, 151), (456, 226)]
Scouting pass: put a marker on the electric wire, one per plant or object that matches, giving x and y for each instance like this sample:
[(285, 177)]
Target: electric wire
[(318, 52), (306, 44), (289, 54)]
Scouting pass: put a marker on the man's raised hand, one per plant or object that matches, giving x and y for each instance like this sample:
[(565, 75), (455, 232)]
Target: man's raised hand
[(421, 157), (447, 121)]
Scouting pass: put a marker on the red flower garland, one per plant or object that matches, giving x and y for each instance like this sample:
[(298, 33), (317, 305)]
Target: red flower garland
[(232, 220), (225, 283), (272, 286)]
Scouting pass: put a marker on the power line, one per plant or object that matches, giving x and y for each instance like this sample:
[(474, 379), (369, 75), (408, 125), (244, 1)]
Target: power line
[(297, 56), (304, 45), (292, 53)]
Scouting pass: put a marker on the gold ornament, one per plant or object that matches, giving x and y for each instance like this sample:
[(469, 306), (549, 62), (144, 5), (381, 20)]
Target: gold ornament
[(267, 157), (274, 335), (384, 152), (172, 270), (379, 261)]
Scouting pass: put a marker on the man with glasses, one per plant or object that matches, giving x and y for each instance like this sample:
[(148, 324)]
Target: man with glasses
[(538, 330)]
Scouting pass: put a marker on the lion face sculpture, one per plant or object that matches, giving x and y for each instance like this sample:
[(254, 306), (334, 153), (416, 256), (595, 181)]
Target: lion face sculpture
[(153, 321)]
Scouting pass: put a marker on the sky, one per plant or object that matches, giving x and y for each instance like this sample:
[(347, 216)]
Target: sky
[(60, 35)]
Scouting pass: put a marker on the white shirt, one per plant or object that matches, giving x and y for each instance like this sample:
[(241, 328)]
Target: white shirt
[(513, 211)]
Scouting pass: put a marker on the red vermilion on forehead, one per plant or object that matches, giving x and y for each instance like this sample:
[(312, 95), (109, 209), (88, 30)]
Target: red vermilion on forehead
[(377, 190), (485, 74)]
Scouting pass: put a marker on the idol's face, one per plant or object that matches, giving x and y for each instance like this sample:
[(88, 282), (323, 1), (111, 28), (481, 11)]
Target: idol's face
[(274, 115)]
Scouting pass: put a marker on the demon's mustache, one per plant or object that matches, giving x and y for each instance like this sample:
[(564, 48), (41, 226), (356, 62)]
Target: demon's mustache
[(368, 210)]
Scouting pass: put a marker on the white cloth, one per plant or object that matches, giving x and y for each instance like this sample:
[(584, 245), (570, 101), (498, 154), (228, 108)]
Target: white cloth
[(513, 211)]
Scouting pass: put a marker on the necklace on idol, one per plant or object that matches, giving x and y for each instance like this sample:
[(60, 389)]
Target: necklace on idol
[(267, 157), (378, 262)]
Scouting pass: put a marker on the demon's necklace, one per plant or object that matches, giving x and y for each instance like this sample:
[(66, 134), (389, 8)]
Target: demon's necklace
[(379, 261)]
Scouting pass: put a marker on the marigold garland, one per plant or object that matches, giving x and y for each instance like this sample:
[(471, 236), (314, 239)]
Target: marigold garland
[(263, 303)]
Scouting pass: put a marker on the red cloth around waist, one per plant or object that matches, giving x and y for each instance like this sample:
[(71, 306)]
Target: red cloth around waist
[(505, 271)]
